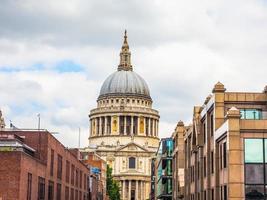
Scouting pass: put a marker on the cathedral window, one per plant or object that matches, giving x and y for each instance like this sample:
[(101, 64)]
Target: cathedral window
[(131, 163)]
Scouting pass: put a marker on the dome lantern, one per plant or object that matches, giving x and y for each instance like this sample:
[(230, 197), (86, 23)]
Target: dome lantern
[(125, 56)]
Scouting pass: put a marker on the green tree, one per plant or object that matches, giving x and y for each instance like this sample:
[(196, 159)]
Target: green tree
[(113, 188)]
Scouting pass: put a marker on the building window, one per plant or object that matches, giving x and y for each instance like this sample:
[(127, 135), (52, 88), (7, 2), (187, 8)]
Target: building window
[(198, 168), (58, 191), (72, 194), (225, 192), (41, 188), (205, 166), (76, 194), (81, 178), (59, 166), (204, 133), (224, 155), (212, 162), (51, 190), (29, 187), (77, 178), (84, 181), (67, 193), (251, 114), (67, 171), (52, 163), (80, 195), (131, 163), (72, 174), (212, 194), (211, 125), (253, 150), (255, 168)]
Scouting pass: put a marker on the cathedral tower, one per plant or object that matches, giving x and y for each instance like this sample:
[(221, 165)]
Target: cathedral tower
[(124, 127)]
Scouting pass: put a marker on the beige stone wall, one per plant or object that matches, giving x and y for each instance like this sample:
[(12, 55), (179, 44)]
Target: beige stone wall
[(121, 128)]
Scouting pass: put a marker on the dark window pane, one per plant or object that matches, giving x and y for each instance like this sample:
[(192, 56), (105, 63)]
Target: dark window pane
[(254, 192), (253, 150), (254, 174), (131, 162)]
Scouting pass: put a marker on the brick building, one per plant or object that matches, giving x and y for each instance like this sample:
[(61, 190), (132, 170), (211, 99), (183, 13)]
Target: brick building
[(178, 161), (226, 147), (35, 165), (98, 176)]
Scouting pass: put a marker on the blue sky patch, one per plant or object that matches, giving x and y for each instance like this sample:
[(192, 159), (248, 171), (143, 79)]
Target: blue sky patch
[(68, 66)]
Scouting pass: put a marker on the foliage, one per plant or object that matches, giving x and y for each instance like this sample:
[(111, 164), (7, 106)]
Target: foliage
[(113, 188)]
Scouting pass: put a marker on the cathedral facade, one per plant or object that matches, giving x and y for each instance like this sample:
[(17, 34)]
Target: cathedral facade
[(124, 128)]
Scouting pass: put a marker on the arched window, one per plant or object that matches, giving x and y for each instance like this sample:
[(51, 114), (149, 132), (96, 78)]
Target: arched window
[(131, 163)]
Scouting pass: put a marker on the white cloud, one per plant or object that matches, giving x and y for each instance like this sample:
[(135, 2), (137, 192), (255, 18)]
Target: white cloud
[(182, 48)]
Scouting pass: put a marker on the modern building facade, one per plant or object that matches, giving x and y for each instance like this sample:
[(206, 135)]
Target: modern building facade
[(164, 170), (35, 165), (124, 128), (226, 147)]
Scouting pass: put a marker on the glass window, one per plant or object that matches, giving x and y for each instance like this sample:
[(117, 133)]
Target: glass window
[(132, 163), (265, 149), (254, 192), (254, 173), (251, 114), (253, 150)]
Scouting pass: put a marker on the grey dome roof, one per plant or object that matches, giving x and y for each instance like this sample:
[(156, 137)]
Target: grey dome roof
[(124, 83)]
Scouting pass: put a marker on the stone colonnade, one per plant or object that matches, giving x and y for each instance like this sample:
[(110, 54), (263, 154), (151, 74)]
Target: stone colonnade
[(133, 189), (127, 125)]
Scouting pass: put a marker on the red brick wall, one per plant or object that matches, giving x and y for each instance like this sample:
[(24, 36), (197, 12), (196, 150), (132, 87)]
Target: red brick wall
[(22, 164), (9, 175)]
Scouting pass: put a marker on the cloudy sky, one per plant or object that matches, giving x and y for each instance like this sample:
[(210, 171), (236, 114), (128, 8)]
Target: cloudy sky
[(55, 54)]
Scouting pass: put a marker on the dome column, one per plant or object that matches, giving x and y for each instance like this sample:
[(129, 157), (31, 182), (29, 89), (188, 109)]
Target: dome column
[(129, 190), (91, 128), (136, 189), (125, 118), (123, 188), (100, 127), (144, 125), (138, 125), (132, 133), (106, 125), (153, 127), (149, 126), (157, 127), (95, 126)]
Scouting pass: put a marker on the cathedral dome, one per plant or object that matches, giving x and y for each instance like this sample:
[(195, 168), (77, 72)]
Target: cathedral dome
[(125, 83)]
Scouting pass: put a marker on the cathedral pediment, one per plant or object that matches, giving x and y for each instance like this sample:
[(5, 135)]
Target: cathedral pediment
[(132, 147)]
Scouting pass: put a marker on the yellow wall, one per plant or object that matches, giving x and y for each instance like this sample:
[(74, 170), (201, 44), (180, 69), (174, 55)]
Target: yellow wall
[(141, 125), (115, 124)]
